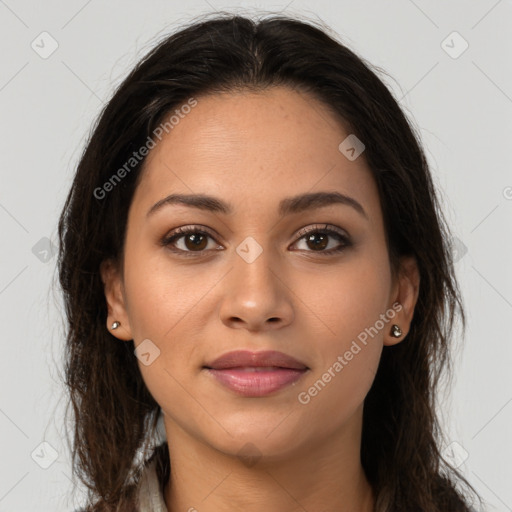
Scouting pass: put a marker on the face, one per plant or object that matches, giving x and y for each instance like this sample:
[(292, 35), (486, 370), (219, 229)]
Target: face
[(310, 279)]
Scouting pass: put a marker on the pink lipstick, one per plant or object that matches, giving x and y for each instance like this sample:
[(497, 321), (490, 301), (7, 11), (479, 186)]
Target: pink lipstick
[(256, 374)]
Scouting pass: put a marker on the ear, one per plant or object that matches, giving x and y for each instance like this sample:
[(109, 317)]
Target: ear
[(114, 295), (404, 297)]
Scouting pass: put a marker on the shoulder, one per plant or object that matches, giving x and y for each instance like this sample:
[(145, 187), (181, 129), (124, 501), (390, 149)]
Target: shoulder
[(150, 496)]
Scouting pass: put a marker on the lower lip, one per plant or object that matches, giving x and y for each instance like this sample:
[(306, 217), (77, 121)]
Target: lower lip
[(255, 383)]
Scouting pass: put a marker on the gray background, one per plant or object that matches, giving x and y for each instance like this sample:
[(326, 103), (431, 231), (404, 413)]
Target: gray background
[(461, 105)]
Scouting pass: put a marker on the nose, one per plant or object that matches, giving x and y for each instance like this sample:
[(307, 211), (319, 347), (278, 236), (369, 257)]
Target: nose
[(255, 295)]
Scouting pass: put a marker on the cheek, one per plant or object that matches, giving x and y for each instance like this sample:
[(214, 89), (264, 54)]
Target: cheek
[(350, 303), (162, 310), (162, 297), (349, 298)]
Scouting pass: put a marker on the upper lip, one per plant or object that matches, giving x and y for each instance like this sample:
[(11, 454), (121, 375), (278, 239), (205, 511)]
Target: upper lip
[(244, 358)]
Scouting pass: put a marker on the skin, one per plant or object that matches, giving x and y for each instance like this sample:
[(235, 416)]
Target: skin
[(252, 150)]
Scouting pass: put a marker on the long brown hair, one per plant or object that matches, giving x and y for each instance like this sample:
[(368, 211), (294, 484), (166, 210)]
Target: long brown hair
[(115, 416)]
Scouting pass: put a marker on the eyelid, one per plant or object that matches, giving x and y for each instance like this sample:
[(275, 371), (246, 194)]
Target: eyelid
[(321, 227), (192, 227)]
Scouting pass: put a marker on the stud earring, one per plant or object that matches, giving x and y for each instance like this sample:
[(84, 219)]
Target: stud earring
[(115, 325), (396, 332)]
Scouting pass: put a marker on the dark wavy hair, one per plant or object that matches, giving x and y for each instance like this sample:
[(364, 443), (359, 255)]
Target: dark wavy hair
[(115, 416)]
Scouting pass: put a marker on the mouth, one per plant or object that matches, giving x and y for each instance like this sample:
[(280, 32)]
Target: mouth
[(255, 374)]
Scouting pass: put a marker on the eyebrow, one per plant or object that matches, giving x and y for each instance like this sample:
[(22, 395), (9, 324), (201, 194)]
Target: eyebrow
[(287, 206)]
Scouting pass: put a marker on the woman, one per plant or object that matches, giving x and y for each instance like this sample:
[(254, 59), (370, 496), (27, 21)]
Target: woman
[(253, 254)]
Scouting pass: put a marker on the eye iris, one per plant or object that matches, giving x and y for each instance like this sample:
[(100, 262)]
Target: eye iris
[(196, 239), (321, 244)]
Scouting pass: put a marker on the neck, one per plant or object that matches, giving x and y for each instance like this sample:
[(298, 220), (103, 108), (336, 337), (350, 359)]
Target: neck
[(327, 475)]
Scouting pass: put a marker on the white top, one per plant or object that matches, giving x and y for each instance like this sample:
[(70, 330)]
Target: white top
[(150, 494)]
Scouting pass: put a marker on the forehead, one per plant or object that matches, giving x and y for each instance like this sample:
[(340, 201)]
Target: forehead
[(252, 149)]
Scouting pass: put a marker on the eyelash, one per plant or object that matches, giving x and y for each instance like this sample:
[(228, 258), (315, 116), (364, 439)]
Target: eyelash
[(326, 229)]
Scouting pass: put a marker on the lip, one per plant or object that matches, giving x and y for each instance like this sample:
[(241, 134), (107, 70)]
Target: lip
[(256, 382), (256, 374), (246, 358)]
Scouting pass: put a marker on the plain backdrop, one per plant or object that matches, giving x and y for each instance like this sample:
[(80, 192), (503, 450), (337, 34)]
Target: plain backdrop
[(451, 69)]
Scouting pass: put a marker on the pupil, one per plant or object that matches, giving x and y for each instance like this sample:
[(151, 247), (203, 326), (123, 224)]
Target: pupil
[(321, 244), (196, 240)]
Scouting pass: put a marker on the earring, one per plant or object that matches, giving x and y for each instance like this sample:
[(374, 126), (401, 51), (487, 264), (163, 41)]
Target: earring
[(115, 325), (396, 332)]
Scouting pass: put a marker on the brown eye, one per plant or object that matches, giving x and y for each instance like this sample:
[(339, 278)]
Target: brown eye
[(195, 241), (317, 241), (321, 238), (188, 240)]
